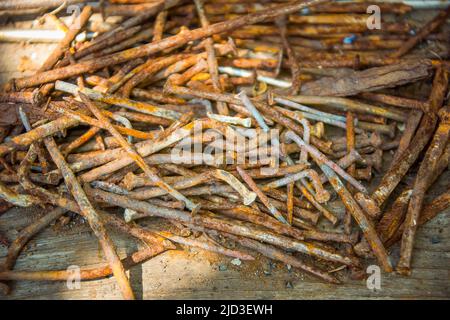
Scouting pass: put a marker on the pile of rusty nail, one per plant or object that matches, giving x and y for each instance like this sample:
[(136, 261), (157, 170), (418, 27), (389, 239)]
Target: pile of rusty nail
[(283, 104)]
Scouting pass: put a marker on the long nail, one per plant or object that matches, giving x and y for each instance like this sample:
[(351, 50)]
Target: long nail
[(364, 223), (316, 154), (261, 195)]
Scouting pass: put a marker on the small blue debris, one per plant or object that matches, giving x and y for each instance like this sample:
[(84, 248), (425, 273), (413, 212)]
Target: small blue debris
[(349, 39)]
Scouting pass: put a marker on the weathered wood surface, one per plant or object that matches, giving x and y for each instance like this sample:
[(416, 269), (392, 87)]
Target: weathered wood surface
[(194, 274)]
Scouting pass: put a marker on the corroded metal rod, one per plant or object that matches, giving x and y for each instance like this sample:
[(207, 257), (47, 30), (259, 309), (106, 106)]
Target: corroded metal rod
[(323, 159), (155, 47), (421, 138), (251, 183), (135, 155), (364, 223), (93, 218), (426, 171)]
